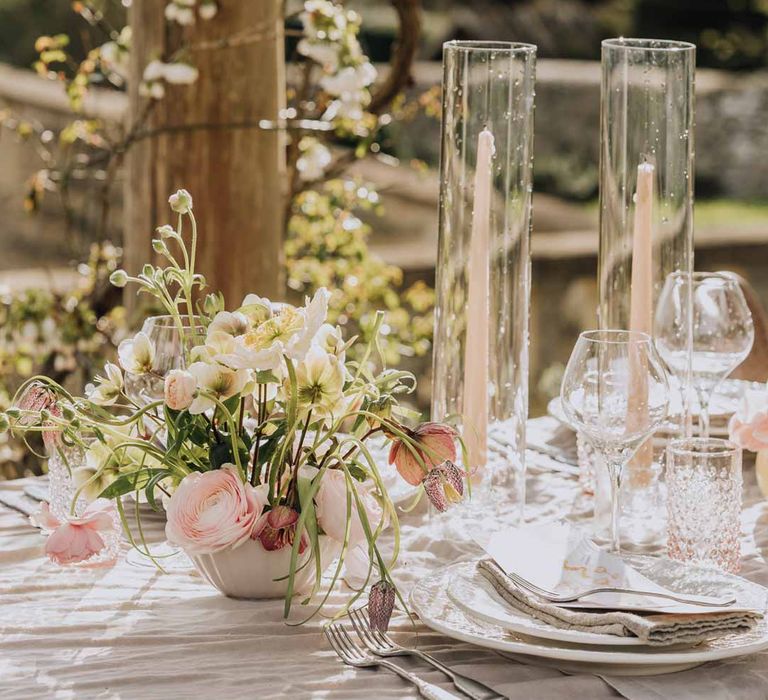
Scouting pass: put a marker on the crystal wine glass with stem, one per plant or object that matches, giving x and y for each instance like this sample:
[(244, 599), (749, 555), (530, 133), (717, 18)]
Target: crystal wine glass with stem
[(615, 392), (721, 331), (173, 342)]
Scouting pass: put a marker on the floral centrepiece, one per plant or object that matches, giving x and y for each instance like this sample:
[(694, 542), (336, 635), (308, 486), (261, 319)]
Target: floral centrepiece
[(261, 434)]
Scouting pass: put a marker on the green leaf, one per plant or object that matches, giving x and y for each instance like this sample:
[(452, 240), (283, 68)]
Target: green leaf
[(128, 483), (220, 454)]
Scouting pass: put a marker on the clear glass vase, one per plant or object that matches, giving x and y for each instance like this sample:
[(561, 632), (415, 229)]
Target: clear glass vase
[(65, 503), (480, 375), (646, 208)]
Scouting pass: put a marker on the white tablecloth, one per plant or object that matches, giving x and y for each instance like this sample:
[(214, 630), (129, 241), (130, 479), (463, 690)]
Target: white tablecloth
[(129, 632)]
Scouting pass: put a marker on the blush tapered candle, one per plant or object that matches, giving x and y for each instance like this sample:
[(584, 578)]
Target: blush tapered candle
[(476, 374), (641, 310)]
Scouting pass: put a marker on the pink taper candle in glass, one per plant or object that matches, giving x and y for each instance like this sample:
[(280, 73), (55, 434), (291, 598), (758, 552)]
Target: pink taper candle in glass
[(641, 304), (475, 407)]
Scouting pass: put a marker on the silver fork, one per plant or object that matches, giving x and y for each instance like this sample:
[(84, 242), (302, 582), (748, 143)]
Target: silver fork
[(352, 655), (382, 644), (557, 598)]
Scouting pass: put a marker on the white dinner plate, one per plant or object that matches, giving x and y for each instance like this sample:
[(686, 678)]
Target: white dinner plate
[(431, 602), (475, 595)]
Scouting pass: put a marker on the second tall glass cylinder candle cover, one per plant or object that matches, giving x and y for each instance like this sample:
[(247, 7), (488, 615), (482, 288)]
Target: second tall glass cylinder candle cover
[(646, 209), (483, 270)]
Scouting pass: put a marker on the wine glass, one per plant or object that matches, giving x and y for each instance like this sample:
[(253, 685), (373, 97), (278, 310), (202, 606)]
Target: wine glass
[(721, 331), (172, 347), (172, 343), (615, 392)]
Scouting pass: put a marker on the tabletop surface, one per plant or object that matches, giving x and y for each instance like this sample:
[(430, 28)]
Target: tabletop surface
[(134, 632)]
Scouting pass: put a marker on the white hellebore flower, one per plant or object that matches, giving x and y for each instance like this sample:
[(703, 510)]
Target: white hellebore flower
[(231, 322), (314, 159), (290, 333), (109, 387), (179, 389), (136, 354), (181, 202), (257, 309), (320, 382), (218, 381)]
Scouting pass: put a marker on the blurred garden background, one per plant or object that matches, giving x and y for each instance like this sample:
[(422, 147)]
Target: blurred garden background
[(310, 168)]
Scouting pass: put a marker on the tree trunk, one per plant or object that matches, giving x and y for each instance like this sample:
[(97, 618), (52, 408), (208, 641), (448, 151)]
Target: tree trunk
[(205, 138)]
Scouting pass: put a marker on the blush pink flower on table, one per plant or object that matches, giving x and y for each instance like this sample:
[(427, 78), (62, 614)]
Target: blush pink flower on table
[(331, 508), (435, 443), (213, 511), (444, 485), (277, 529), (748, 427), (77, 539)]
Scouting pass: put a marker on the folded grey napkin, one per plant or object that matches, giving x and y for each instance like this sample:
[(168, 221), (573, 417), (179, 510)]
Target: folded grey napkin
[(656, 629)]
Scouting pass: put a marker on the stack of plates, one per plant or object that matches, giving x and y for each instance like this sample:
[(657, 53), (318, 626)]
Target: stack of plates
[(460, 602)]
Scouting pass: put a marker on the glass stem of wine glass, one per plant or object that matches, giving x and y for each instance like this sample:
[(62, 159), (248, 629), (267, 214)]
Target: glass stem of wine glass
[(704, 397), (615, 466)]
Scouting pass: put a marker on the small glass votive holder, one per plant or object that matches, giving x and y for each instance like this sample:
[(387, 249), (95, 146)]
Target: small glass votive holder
[(704, 491)]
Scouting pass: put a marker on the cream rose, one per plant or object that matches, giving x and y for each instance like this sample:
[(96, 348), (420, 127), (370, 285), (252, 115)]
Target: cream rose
[(331, 508), (213, 511), (179, 389)]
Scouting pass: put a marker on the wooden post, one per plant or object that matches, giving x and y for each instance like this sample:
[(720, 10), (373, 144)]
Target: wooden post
[(205, 138)]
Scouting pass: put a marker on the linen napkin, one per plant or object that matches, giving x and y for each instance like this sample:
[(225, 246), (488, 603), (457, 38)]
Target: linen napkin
[(656, 629)]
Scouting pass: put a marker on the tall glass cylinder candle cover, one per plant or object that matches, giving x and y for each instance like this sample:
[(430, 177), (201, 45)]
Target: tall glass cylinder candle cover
[(483, 271), (646, 207)]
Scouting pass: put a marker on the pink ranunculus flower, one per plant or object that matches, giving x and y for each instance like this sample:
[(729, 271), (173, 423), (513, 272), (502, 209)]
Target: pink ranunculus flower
[(435, 443), (331, 508), (77, 539), (277, 529), (748, 427), (212, 511), (179, 389)]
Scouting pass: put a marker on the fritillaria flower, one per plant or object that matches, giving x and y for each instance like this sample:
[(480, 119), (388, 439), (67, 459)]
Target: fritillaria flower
[(435, 443), (381, 603), (278, 529), (444, 485)]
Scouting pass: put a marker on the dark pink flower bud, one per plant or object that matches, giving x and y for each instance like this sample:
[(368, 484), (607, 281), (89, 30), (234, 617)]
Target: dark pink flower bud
[(381, 603), (279, 530), (435, 443)]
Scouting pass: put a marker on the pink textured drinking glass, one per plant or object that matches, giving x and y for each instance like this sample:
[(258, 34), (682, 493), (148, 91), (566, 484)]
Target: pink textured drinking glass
[(704, 485)]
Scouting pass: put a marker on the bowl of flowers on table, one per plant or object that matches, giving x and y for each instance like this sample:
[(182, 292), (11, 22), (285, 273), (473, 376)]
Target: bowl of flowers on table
[(251, 428)]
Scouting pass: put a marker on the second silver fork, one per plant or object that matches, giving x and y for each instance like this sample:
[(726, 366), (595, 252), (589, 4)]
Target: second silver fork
[(382, 645)]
